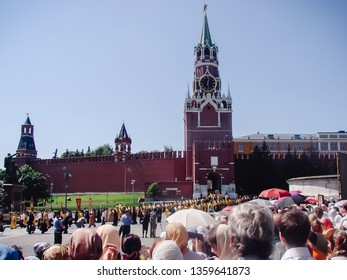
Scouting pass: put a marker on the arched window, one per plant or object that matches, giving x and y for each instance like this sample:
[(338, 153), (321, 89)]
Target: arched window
[(207, 53), (198, 54)]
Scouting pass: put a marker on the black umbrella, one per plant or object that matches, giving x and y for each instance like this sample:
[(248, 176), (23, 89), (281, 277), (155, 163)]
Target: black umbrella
[(285, 202), (299, 199)]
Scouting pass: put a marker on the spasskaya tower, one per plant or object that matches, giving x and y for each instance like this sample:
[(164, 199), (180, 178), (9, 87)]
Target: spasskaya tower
[(208, 134)]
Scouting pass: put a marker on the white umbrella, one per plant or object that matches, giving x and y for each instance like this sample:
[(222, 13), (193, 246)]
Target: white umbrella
[(260, 201), (192, 218), (340, 203)]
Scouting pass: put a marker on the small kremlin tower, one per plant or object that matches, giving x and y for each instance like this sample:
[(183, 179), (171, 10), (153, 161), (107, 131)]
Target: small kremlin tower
[(26, 147)]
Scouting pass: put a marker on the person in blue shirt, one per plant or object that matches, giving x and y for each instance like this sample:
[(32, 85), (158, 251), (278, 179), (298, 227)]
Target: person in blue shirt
[(58, 229), (126, 221)]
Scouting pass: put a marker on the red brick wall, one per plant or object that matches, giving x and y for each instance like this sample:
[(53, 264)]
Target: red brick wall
[(109, 176)]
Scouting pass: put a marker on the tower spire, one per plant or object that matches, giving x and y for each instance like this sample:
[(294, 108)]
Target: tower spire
[(229, 94), (26, 147), (188, 91), (122, 144), (205, 33)]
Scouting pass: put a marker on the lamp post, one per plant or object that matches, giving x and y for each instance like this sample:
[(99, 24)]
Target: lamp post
[(51, 189), (67, 176), (132, 187), (51, 195)]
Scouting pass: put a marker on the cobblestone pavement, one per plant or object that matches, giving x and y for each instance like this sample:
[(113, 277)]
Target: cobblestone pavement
[(21, 238)]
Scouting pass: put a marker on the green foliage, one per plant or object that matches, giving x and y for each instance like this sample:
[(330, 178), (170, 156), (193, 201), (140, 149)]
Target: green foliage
[(35, 183), (104, 150), (3, 194), (152, 190), (2, 174), (168, 148)]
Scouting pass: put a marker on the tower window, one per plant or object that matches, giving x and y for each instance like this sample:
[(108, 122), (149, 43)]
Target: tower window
[(198, 54), (207, 53)]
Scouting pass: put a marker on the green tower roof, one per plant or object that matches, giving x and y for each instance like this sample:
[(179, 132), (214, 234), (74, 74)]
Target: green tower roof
[(205, 33)]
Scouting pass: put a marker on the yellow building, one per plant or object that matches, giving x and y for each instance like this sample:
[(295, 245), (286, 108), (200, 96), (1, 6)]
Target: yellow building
[(326, 143)]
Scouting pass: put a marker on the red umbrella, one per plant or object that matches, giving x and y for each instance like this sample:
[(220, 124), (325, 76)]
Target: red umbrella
[(312, 199), (274, 193)]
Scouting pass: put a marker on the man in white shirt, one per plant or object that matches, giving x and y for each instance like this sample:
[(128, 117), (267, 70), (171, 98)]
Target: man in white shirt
[(294, 228)]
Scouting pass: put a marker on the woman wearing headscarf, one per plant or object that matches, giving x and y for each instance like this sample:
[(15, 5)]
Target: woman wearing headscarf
[(12, 252), (56, 252), (110, 241), (131, 247), (39, 248), (219, 240), (167, 250), (178, 233), (85, 244)]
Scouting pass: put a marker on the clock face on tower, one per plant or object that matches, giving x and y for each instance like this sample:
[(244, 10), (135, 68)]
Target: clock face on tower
[(207, 83)]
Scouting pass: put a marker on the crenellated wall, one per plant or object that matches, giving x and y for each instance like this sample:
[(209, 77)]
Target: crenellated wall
[(112, 173)]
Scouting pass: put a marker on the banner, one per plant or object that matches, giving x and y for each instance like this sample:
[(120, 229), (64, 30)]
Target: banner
[(78, 203), (90, 204)]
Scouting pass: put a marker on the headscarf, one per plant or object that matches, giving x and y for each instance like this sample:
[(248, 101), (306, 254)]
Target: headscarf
[(39, 248), (223, 243), (178, 233), (85, 244), (327, 223), (110, 242), (8, 253), (131, 247), (167, 250), (56, 252)]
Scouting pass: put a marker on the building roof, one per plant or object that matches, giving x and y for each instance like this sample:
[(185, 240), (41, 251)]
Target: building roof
[(205, 33), (27, 121), (123, 134), (270, 136)]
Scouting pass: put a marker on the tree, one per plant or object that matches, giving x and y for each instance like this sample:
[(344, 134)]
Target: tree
[(3, 194), (35, 183), (168, 148), (104, 150), (152, 190)]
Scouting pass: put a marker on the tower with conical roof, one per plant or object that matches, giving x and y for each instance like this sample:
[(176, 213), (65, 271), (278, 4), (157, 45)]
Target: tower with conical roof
[(208, 121), (26, 147), (122, 144)]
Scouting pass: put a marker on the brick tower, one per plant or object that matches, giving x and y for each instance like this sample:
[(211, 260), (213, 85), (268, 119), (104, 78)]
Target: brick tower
[(122, 144), (26, 147), (208, 123)]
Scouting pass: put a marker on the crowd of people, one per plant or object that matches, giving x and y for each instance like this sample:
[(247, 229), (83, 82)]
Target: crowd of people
[(252, 231)]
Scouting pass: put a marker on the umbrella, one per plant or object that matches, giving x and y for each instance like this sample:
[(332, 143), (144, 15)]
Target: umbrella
[(312, 199), (295, 192), (299, 199), (340, 203), (274, 192), (192, 218), (285, 202), (260, 201)]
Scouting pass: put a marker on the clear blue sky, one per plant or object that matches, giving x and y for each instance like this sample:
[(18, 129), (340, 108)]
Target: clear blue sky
[(81, 68)]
